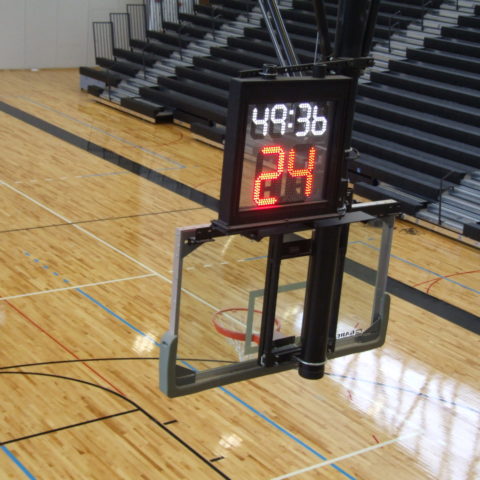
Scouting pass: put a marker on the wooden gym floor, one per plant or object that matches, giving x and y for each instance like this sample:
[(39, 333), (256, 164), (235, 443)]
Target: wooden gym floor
[(86, 255)]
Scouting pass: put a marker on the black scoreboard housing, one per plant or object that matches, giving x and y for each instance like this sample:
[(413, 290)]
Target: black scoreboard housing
[(245, 92)]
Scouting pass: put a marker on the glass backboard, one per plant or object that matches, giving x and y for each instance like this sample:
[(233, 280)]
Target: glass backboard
[(217, 303)]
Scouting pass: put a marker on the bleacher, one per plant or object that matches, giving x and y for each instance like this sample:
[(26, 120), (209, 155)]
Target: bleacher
[(417, 122)]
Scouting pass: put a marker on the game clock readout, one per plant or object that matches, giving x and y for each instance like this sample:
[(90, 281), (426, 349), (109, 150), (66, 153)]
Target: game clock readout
[(285, 154)]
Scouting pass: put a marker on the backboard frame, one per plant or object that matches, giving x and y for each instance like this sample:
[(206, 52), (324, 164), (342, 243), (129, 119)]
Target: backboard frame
[(178, 378)]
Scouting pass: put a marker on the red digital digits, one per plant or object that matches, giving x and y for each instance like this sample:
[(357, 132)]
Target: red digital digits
[(263, 177), (303, 172), (293, 172)]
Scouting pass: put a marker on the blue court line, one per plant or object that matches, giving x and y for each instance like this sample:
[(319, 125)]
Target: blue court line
[(285, 432), (408, 262), (17, 462), (118, 317), (276, 425), (232, 395), (254, 410)]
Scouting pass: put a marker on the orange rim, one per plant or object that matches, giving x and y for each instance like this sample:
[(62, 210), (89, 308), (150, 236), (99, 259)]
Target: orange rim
[(234, 335)]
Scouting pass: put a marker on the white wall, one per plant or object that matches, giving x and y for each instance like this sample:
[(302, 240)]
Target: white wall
[(51, 33)]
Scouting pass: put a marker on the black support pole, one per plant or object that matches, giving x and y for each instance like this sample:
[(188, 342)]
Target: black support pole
[(322, 25), (352, 20), (319, 302), (272, 276)]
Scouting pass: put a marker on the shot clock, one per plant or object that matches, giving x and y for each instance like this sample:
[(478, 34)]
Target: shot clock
[(284, 149)]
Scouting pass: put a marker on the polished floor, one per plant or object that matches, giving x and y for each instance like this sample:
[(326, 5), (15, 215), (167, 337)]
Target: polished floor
[(90, 199)]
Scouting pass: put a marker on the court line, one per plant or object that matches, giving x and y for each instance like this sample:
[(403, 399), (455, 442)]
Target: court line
[(125, 163), (61, 345), (404, 389), (228, 392), (110, 246), (67, 427), (83, 230), (105, 219), (178, 165), (287, 433), (153, 340), (240, 400), (348, 455), (409, 262), (118, 251), (109, 359), (136, 405), (18, 463), (53, 290), (57, 179), (144, 172)]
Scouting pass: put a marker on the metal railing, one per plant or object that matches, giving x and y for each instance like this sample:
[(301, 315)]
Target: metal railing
[(103, 40), (138, 21), (160, 11), (440, 200), (154, 15), (392, 26), (425, 4), (121, 30)]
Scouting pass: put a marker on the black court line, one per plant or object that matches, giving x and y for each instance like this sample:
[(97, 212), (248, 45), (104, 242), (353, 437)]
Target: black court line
[(67, 427), (170, 422), (123, 162), (136, 406), (420, 299), (106, 219), (410, 294), (110, 359)]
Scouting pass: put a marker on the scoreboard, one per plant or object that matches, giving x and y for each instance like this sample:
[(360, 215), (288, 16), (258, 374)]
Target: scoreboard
[(284, 149)]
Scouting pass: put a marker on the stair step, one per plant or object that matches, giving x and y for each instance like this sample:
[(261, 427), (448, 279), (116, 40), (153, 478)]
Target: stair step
[(106, 76), (438, 73), (409, 203), (153, 47), (202, 20), (404, 156), (471, 22), (169, 38), (423, 141), (430, 87), (451, 60), (220, 65), (298, 41), (466, 193), (398, 176), (195, 89), (146, 108), (454, 45), (208, 77), (463, 33), (471, 183), (192, 105), (420, 102), (420, 120), (449, 211), (242, 56), (462, 205), (449, 224), (136, 57)]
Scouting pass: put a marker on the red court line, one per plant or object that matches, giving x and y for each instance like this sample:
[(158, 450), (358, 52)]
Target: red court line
[(443, 277), (178, 139), (61, 345)]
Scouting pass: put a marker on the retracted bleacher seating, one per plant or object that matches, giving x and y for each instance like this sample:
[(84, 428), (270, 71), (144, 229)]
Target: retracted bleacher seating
[(417, 122)]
